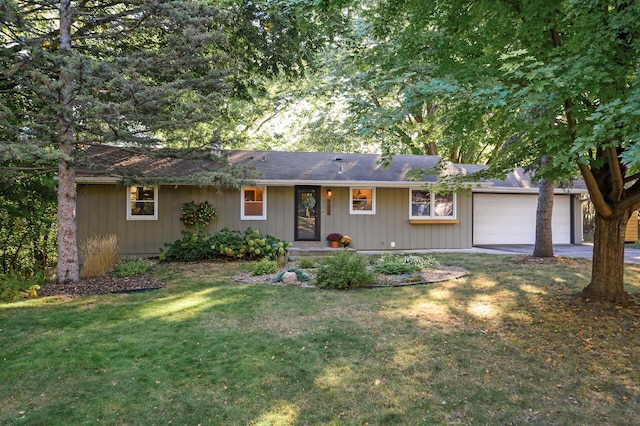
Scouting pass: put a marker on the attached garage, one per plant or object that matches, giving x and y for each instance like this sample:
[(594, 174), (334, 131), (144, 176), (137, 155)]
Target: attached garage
[(500, 218)]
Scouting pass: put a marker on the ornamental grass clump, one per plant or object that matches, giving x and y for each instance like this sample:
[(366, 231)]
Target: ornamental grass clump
[(344, 270), (100, 255)]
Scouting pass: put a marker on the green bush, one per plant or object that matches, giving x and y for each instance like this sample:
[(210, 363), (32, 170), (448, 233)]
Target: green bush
[(132, 266), (395, 268), (265, 267), (192, 246), (13, 287), (248, 245), (225, 243), (306, 263), (397, 264), (344, 270)]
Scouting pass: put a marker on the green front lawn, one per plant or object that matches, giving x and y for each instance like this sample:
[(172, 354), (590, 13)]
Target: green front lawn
[(506, 344)]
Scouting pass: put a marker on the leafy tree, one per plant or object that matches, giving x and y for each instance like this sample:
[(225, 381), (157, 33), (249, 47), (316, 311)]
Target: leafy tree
[(139, 73), (561, 77), (136, 72)]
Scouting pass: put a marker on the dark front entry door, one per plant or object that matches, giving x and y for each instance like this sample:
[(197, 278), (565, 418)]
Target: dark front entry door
[(307, 220)]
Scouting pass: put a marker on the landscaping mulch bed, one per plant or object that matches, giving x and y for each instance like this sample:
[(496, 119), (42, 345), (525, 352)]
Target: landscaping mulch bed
[(426, 276), (101, 285), (108, 283)]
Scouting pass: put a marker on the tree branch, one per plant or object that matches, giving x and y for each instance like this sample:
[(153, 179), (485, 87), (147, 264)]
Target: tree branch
[(617, 181), (599, 203)]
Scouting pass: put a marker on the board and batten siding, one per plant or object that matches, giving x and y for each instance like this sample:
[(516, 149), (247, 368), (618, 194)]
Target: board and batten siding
[(102, 210), (390, 223)]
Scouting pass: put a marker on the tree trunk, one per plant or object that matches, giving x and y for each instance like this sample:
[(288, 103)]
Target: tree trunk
[(68, 268), (607, 270), (544, 220)]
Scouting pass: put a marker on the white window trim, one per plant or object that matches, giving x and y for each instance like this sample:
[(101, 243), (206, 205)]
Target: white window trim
[(264, 204), (373, 200), (142, 217), (432, 198)]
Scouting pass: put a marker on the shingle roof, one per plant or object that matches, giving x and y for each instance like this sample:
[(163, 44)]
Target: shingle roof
[(332, 167), (289, 168)]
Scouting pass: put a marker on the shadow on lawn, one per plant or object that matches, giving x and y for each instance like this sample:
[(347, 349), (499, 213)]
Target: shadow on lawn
[(508, 343)]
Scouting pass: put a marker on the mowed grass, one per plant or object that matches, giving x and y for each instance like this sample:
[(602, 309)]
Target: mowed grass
[(507, 344)]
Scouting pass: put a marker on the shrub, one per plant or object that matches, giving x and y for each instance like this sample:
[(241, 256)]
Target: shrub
[(344, 270), (100, 255), (419, 262), (395, 268), (192, 246), (225, 243), (13, 287), (265, 267), (306, 263), (132, 266), (248, 245)]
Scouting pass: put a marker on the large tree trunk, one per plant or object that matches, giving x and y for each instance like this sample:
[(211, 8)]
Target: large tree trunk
[(607, 271), (544, 218), (68, 268)]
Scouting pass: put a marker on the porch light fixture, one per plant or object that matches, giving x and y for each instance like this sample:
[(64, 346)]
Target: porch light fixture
[(329, 193)]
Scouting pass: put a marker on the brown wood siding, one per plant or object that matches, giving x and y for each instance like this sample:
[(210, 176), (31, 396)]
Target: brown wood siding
[(101, 210), (391, 223)]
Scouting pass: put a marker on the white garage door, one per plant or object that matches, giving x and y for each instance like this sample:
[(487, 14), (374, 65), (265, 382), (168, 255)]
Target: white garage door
[(511, 219)]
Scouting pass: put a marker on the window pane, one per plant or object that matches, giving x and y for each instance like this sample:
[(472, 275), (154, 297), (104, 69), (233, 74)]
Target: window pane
[(443, 204), (253, 201), (362, 199), (420, 203), (142, 200)]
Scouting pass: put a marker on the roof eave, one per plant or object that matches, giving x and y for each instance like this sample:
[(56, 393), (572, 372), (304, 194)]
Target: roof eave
[(349, 183), (534, 190)]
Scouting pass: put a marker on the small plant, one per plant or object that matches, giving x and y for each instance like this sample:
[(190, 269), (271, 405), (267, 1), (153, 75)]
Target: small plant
[(132, 266), (395, 268), (198, 215), (421, 262), (345, 240), (100, 255), (344, 270), (334, 236), (265, 267), (306, 263)]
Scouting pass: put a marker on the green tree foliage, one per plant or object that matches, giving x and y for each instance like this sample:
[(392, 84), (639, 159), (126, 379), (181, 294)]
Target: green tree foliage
[(140, 73), (548, 78), (27, 223)]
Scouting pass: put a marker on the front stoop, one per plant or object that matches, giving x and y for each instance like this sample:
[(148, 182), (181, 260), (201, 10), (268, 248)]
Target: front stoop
[(298, 252)]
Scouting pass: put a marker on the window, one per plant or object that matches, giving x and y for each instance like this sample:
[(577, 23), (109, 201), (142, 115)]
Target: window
[(362, 200), (254, 203), (142, 203), (431, 205)]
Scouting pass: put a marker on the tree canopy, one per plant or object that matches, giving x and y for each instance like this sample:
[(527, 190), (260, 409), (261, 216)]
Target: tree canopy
[(557, 79), (138, 73)]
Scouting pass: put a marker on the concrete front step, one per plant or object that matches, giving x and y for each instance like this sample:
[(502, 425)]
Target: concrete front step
[(297, 252)]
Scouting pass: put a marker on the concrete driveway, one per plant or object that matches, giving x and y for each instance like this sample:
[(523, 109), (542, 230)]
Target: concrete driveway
[(566, 250)]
